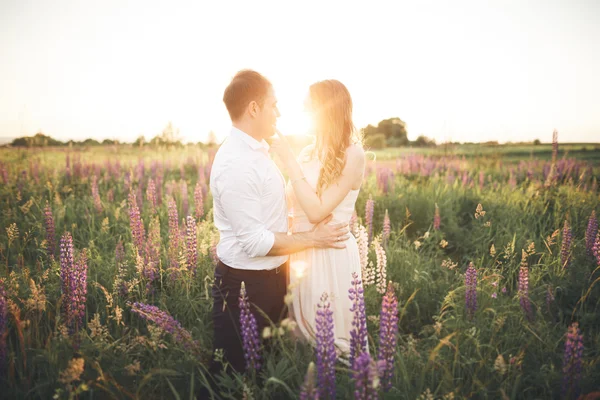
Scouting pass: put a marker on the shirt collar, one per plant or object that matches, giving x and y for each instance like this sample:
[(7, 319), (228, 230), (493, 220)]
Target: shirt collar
[(249, 140)]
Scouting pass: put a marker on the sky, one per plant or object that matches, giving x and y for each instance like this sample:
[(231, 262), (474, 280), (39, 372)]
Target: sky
[(452, 70)]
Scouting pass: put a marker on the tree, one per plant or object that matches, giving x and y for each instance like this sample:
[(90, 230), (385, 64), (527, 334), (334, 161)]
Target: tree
[(376, 141), (393, 129), (424, 141), (90, 142), (140, 141)]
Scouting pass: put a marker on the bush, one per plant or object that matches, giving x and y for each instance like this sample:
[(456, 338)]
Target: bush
[(376, 141)]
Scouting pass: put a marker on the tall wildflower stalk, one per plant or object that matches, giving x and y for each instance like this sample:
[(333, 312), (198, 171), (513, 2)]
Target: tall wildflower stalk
[(387, 228), (50, 230), (325, 349), (436, 219), (96, 195), (362, 241), (308, 390), (166, 323), (184, 197), (152, 259), (136, 224), (381, 275), (198, 201), (572, 362), (358, 334), (249, 327), (524, 287), (191, 244), (565, 249), (591, 233), (151, 195), (388, 334), (471, 291), (174, 238), (366, 378), (73, 284)]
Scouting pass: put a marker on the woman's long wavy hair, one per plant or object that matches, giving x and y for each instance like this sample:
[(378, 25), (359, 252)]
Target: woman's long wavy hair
[(331, 106)]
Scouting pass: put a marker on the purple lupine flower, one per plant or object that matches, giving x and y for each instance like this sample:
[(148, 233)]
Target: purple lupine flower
[(471, 290), (110, 195), (136, 224), (152, 256), (436, 219), (512, 180), (3, 331), (591, 233), (365, 373), (250, 340), (96, 194), (565, 250), (325, 348), (184, 197), (524, 287), (572, 362), (50, 231), (151, 195), (386, 227), (167, 323), (191, 242), (385, 177), (481, 179), (308, 391), (73, 284), (388, 333), (358, 334), (80, 292), (198, 200), (369, 209), (596, 248), (66, 269), (174, 237)]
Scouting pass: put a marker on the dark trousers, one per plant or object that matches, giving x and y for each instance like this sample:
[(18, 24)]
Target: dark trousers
[(265, 290)]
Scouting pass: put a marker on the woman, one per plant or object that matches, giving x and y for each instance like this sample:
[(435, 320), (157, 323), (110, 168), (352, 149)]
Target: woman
[(324, 180)]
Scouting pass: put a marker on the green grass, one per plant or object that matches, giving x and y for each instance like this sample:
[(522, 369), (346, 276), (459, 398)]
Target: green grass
[(439, 348)]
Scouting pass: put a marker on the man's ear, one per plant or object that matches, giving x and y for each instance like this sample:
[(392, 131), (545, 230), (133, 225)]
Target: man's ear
[(253, 108)]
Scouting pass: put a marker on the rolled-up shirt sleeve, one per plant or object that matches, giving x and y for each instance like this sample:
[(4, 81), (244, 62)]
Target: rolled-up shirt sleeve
[(241, 200)]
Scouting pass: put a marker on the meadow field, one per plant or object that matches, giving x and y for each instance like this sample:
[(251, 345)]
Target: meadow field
[(481, 272)]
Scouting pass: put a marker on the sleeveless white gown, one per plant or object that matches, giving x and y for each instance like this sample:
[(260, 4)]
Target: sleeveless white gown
[(315, 271)]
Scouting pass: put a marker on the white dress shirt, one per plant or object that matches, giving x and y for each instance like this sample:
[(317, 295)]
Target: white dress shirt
[(249, 202)]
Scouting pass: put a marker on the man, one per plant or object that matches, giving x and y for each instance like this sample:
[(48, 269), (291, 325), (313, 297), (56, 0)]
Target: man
[(250, 211)]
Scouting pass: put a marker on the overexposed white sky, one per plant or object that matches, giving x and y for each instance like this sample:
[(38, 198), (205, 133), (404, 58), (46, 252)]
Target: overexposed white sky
[(453, 70)]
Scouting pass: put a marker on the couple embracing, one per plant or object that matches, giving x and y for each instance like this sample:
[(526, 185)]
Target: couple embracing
[(251, 203)]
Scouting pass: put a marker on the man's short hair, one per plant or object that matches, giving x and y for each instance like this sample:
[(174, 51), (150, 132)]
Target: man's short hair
[(246, 86)]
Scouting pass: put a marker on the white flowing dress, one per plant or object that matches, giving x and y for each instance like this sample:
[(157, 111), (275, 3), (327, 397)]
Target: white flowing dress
[(316, 271)]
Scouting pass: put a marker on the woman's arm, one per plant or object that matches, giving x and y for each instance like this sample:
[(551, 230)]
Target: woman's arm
[(316, 209)]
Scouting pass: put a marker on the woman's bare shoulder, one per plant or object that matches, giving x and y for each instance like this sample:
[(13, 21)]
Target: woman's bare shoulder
[(355, 153)]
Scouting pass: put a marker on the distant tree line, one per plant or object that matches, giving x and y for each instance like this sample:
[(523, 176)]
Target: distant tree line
[(389, 132)]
